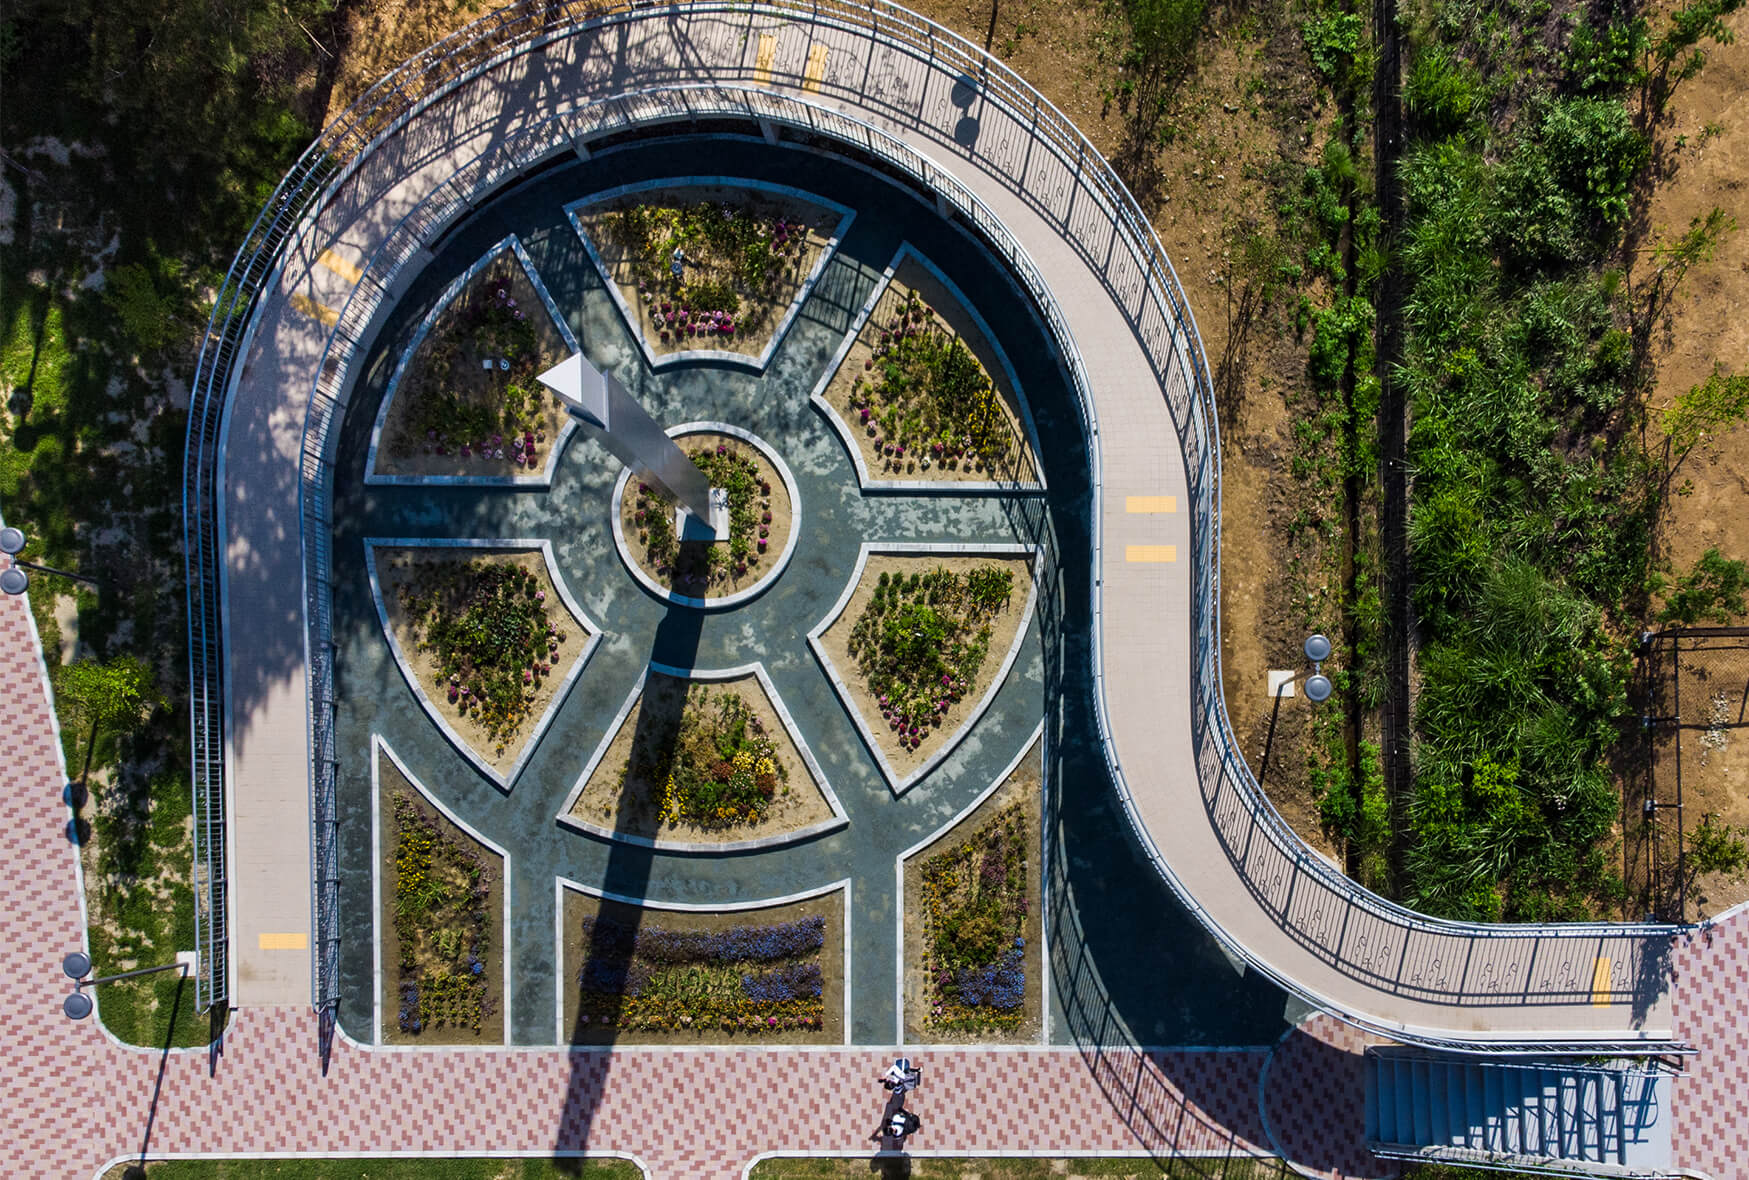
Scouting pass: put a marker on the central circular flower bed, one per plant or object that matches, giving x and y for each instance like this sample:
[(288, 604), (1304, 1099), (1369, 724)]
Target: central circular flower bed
[(762, 535)]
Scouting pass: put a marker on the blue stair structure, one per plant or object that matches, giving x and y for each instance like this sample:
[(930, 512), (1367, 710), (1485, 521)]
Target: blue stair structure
[(1549, 1115)]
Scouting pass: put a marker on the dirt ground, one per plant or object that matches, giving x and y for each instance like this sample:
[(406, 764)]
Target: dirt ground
[(688, 575), (492, 1028), (578, 906), (1004, 628), (951, 317), (630, 806), (400, 567), (401, 453), (1706, 326), (757, 321), (1024, 787)]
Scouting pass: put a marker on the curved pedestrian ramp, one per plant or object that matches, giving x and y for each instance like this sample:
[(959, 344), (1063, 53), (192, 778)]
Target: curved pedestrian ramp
[(1587, 1121)]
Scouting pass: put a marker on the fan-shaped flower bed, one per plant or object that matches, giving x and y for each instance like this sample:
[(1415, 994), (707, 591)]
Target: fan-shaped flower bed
[(468, 402), (917, 393), (760, 519), (444, 936), (487, 638), (653, 975), (744, 254), (701, 762)]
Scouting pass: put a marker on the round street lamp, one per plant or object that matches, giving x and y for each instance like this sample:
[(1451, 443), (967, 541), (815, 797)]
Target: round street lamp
[(77, 965), (1318, 686), (13, 579)]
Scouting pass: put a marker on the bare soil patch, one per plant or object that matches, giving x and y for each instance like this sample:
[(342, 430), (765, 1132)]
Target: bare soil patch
[(400, 569), (849, 385), (1004, 630), (578, 906), (1024, 787), (621, 794), (653, 293), (1705, 326), (491, 1031), (456, 380)]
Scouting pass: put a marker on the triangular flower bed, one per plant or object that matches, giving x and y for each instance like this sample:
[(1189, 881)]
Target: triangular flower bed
[(922, 394), (749, 254), (463, 404), (703, 762), (919, 643), (488, 637)]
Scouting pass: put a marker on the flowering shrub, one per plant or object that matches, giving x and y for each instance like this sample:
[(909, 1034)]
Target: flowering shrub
[(975, 904), (921, 640), (441, 923), (728, 466), (494, 637), (652, 979), (925, 398), (472, 392)]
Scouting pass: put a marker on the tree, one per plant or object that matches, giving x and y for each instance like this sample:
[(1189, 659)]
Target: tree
[(106, 696)]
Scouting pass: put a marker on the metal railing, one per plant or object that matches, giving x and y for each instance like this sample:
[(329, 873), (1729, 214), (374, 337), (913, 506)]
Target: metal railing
[(1372, 940)]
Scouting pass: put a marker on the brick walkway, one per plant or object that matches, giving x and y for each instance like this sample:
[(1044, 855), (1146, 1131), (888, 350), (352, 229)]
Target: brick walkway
[(1711, 1129), (76, 1098)]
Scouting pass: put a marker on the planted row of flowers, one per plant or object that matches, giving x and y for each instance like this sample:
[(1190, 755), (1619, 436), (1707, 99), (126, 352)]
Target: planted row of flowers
[(493, 635), (921, 640), (757, 977), (724, 246), (924, 400), (974, 921), (442, 925)]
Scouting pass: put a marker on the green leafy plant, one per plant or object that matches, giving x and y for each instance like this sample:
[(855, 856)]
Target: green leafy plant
[(1712, 591)]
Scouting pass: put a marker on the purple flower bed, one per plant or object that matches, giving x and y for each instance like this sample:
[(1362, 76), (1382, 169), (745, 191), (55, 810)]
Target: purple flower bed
[(606, 939), (799, 981), (1001, 984)]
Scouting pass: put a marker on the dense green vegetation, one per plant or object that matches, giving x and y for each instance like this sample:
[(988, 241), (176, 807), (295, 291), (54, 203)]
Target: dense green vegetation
[(127, 206), (1535, 500)]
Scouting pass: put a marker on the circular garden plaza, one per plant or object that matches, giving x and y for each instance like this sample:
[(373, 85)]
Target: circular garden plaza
[(704, 535)]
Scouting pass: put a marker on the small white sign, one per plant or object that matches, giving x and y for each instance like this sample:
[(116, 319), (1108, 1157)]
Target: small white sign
[(1281, 684)]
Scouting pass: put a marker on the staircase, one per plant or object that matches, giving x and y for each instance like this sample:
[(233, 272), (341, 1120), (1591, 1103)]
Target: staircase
[(1550, 1115)]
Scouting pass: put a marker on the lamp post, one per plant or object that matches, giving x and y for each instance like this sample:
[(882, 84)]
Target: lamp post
[(77, 965), (13, 579), (1318, 690)]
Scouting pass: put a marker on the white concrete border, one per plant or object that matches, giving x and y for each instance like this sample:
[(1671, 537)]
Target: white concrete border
[(716, 675), (372, 477), (816, 641), (560, 884), (759, 587), (379, 749), (1010, 1153), (515, 544), (757, 364), (847, 434), (1034, 741)]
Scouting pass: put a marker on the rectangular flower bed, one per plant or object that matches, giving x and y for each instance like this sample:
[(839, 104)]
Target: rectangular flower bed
[(642, 975), (973, 922), (442, 924)]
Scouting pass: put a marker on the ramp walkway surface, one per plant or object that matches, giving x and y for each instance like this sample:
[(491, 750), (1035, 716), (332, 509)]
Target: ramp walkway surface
[(530, 83)]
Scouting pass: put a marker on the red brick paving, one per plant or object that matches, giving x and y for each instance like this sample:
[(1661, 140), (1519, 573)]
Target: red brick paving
[(1710, 1132)]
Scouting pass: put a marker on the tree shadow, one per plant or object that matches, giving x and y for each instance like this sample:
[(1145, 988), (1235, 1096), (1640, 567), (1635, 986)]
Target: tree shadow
[(605, 957)]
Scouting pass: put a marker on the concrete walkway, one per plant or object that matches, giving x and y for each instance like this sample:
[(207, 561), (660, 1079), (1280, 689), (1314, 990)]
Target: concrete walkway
[(1357, 960)]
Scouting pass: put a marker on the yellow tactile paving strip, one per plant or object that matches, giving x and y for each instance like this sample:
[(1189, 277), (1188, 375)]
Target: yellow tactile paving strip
[(763, 58), (816, 70), (316, 311), (340, 266), (1150, 504), (1150, 553), (289, 941)]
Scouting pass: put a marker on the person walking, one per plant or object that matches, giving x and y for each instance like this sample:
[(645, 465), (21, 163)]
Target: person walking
[(902, 1124), (901, 1077)]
